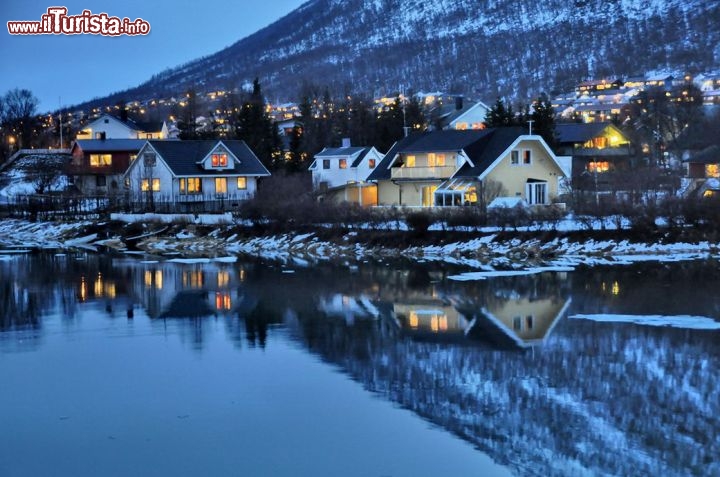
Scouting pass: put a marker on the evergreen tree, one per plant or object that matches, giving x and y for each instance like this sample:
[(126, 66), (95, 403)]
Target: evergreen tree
[(390, 126), (500, 116), (543, 117), (187, 116), (256, 128)]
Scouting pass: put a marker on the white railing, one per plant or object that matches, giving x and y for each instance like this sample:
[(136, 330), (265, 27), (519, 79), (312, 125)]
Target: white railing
[(438, 172)]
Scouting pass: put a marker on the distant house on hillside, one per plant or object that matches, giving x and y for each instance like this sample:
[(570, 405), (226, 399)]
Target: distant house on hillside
[(112, 127), (339, 173), (594, 147), (703, 173), (97, 165), (193, 174), (471, 116), (452, 168)]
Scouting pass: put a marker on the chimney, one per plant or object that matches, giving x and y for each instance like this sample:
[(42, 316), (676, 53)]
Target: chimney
[(346, 142), (458, 103)]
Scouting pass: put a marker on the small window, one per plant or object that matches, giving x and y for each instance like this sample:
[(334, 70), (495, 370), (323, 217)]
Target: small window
[(326, 163), (242, 183), (343, 163), (440, 160), (100, 181), (107, 121), (371, 163), (219, 160), (527, 157), (410, 161), (100, 160), (515, 158)]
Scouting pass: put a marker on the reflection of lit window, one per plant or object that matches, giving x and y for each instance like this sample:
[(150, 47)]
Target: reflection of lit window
[(615, 288), (98, 286), (346, 300), (110, 291), (242, 274), (148, 279), (158, 279), (193, 279), (223, 278), (223, 301), (83, 289), (414, 320), (434, 323)]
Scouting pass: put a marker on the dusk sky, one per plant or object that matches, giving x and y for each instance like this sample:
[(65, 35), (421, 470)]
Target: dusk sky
[(72, 69)]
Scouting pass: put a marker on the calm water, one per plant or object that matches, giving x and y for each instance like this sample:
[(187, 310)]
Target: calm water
[(124, 366)]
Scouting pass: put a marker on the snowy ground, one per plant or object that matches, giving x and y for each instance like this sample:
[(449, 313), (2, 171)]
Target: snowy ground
[(484, 257)]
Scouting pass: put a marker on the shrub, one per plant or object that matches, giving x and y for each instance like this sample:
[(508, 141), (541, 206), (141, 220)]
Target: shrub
[(419, 221)]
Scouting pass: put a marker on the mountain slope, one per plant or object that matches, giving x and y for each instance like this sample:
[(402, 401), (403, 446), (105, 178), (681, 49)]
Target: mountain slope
[(481, 47)]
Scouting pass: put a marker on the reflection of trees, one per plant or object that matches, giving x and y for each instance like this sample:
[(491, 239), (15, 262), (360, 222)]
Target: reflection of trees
[(632, 402)]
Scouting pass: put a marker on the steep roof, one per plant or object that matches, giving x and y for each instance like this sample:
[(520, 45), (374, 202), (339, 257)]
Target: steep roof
[(481, 146), (110, 145), (183, 157), (578, 132), (339, 151)]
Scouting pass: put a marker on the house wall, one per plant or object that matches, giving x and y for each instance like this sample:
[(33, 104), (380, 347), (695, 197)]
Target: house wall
[(528, 319), (411, 192), (113, 130), (514, 177), (336, 177), (474, 118)]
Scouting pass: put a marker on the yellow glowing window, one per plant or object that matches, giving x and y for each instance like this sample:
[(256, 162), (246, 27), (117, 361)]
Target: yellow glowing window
[(219, 160), (100, 160), (223, 279), (414, 320), (191, 185), (410, 161), (145, 186), (343, 163), (515, 157), (598, 167), (193, 279), (712, 170), (242, 183), (461, 126), (432, 158), (221, 185)]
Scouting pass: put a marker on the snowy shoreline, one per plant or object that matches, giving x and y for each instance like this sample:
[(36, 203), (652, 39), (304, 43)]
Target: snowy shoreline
[(487, 255)]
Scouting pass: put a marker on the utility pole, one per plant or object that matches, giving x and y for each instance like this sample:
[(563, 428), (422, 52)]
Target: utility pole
[(60, 120), (530, 123), (405, 126)]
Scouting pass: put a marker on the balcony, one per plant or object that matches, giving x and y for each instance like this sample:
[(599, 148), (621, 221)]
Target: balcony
[(438, 172)]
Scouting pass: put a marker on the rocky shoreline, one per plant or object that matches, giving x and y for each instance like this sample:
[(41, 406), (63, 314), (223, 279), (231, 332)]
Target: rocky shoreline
[(475, 250)]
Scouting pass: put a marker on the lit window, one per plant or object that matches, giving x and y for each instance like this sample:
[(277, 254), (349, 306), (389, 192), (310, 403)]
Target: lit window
[(242, 183), (326, 163), (410, 161), (100, 160), (343, 163), (712, 170), (219, 160), (145, 186), (461, 126), (220, 185), (515, 157), (191, 185), (598, 167), (527, 157), (440, 160), (431, 159)]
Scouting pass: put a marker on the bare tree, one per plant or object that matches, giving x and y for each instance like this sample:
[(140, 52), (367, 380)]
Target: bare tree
[(20, 107)]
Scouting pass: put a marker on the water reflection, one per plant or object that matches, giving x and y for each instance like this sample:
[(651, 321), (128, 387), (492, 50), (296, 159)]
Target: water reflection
[(587, 397)]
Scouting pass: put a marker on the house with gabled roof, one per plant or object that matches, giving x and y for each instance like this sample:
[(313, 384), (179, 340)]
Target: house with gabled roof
[(594, 147), (108, 126), (339, 173), (453, 168), (193, 173), (97, 165)]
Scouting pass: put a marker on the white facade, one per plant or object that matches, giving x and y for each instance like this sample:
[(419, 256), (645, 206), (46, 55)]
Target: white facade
[(332, 168), (109, 127), (473, 118), (145, 176)]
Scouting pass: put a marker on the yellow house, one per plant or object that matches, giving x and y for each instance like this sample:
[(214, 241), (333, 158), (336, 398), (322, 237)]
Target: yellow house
[(451, 168)]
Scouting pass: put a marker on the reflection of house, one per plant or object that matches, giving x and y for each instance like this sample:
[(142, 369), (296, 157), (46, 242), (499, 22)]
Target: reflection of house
[(112, 127), (172, 290), (523, 321), (193, 172), (97, 165), (595, 147), (340, 173), (432, 320), (348, 307), (444, 168)]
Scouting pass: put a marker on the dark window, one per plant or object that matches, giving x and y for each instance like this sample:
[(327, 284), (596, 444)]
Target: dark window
[(100, 181), (326, 163)]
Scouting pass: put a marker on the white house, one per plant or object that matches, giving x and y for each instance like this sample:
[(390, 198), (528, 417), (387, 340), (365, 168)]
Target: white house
[(341, 172), (470, 117), (193, 173), (112, 127)]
